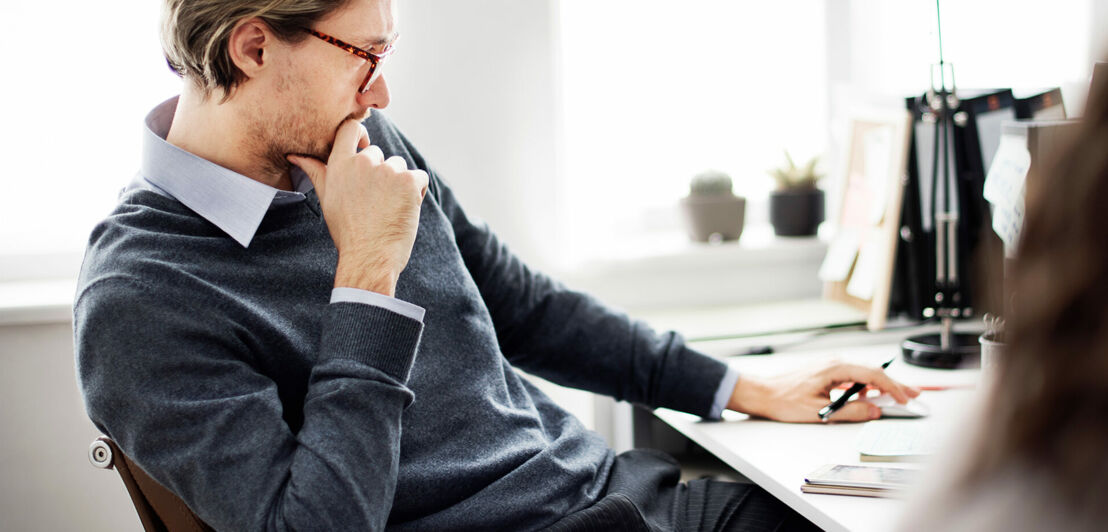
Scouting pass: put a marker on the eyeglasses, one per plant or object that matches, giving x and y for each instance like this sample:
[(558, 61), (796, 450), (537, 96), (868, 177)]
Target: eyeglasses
[(374, 60)]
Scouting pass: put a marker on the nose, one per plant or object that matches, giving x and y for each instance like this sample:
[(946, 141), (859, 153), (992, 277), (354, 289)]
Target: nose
[(377, 97)]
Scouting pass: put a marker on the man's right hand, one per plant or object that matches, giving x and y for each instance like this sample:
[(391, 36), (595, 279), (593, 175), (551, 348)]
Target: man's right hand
[(798, 397), (371, 206)]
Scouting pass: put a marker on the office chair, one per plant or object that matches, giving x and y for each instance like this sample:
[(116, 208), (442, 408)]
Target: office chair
[(158, 508)]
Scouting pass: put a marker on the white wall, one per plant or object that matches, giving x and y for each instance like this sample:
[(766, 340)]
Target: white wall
[(1098, 44), (474, 86), (48, 483)]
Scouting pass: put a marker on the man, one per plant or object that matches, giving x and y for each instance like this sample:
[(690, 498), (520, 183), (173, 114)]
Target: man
[(290, 322)]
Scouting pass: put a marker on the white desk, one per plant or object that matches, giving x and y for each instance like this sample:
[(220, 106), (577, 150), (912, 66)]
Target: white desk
[(777, 456)]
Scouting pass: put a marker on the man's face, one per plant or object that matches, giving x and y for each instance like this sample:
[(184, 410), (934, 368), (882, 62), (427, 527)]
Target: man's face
[(315, 87)]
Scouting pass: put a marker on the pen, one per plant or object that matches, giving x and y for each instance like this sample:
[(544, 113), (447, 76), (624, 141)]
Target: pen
[(825, 412), (756, 350)]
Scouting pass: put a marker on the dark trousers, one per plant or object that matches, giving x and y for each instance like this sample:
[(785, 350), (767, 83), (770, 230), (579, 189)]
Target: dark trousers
[(644, 493)]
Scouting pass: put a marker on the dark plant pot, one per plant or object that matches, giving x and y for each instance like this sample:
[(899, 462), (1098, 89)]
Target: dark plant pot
[(796, 212), (709, 215)]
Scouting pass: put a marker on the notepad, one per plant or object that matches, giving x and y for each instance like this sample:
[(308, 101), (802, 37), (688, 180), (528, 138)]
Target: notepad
[(863, 481), (897, 441)]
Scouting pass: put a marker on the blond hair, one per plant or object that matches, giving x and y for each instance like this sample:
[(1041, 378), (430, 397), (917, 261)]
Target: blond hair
[(195, 34)]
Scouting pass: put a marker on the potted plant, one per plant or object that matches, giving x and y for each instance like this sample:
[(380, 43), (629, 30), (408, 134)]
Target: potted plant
[(796, 206), (712, 211)]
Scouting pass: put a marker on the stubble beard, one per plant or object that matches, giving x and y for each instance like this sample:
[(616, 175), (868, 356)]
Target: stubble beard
[(296, 129), (299, 132), (293, 131)]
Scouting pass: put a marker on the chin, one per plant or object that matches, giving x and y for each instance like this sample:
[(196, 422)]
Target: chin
[(362, 116)]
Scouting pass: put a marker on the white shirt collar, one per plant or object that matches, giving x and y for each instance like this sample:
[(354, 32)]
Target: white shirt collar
[(233, 202)]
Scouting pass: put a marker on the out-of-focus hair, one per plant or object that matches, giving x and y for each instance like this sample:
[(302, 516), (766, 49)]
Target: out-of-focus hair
[(195, 34), (1049, 410)]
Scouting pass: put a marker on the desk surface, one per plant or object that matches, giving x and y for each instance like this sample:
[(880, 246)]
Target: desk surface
[(777, 456)]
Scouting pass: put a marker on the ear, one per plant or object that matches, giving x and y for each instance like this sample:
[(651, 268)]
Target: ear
[(248, 46)]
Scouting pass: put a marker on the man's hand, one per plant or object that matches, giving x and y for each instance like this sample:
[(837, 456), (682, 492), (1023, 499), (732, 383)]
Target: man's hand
[(371, 206), (797, 397)]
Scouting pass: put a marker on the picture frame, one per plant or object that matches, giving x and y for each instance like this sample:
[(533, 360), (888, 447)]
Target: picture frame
[(858, 268)]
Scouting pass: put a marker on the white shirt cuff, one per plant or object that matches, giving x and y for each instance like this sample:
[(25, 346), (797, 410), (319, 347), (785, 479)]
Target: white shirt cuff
[(723, 393), (345, 294)]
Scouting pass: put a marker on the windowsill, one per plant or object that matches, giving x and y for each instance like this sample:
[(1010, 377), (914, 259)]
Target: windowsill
[(757, 242), (30, 302), (659, 272), (667, 271)]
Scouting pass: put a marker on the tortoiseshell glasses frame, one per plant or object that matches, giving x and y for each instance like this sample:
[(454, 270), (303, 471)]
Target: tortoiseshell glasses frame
[(373, 59)]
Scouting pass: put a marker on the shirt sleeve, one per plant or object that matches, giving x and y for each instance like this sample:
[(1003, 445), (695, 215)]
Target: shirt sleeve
[(344, 294), (723, 393)]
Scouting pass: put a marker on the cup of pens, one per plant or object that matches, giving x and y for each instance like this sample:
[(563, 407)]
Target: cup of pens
[(992, 342)]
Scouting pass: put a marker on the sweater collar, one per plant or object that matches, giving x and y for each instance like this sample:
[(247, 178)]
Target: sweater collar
[(229, 200)]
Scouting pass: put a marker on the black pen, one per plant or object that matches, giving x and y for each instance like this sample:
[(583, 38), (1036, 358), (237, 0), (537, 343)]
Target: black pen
[(756, 350), (825, 412)]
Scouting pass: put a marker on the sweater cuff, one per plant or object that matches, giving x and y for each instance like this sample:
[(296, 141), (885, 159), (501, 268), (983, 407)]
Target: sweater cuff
[(695, 391), (372, 335)]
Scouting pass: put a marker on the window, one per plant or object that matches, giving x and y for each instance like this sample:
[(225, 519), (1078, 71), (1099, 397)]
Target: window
[(73, 115), (655, 92)]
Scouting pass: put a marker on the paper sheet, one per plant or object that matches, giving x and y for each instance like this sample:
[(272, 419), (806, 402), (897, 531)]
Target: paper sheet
[(1004, 189), (878, 150), (840, 256), (863, 282)]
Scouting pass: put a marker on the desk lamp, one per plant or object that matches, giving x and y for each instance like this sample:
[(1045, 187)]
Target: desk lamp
[(945, 349)]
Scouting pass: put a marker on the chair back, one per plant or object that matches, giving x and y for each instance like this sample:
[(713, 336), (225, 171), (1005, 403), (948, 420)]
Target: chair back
[(158, 508)]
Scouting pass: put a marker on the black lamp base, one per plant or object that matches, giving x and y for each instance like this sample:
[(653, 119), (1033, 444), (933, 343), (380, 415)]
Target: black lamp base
[(925, 350)]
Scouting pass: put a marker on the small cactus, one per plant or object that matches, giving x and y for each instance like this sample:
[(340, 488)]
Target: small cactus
[(796, 177), (710, 183)]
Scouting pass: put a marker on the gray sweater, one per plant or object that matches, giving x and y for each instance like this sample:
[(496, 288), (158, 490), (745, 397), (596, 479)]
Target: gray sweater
[(225, 372)]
